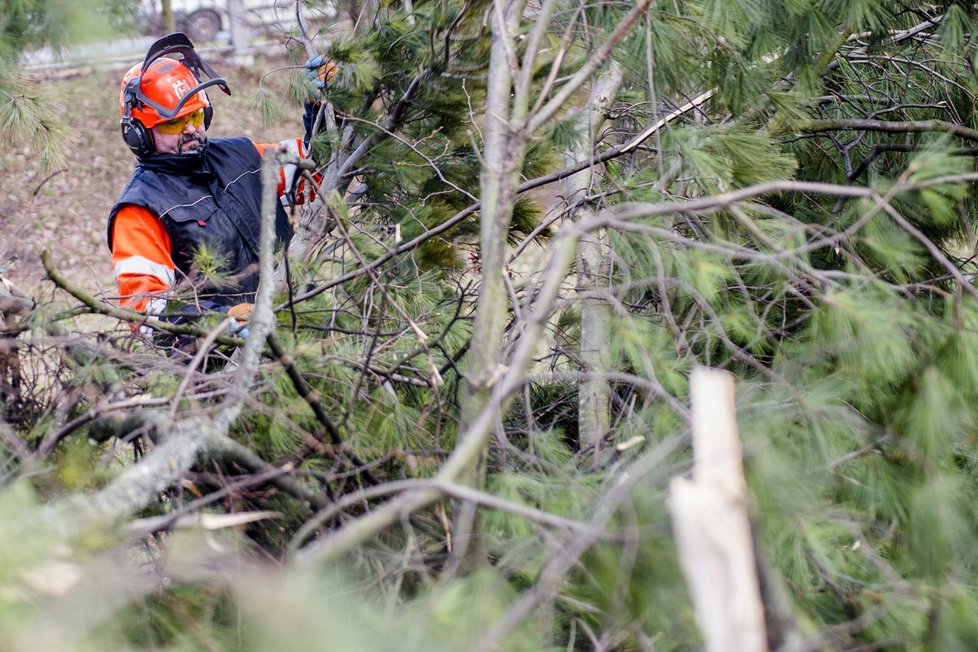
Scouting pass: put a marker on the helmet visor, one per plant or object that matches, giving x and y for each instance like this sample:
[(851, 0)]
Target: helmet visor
[(177, 43)]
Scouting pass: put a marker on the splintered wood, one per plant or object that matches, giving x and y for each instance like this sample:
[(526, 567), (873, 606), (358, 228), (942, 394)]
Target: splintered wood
[(710, 523)]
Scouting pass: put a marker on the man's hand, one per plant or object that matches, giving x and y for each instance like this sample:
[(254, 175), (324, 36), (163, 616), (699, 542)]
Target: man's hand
[(240, 313), (320, 73)]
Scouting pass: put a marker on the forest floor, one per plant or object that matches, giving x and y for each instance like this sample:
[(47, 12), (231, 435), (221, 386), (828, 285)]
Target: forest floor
[(64, 211)]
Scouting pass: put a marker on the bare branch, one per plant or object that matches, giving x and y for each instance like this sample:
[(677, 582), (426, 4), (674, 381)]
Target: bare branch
[(912, 127)]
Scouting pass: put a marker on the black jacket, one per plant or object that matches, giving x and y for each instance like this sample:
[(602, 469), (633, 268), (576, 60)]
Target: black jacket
[(211, 200)]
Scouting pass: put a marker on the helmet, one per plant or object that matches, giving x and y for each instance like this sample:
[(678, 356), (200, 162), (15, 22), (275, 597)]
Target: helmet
[(160, 89), (165, 82)]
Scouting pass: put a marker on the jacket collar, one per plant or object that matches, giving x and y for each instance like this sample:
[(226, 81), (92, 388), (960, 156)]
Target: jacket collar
[(182, 164)]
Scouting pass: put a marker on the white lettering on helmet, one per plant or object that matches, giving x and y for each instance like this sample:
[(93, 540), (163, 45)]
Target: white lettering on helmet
[(180, 87)]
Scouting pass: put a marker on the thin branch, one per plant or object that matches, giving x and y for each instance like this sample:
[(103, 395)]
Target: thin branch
[(914, 127), (129, 316), (593, 63), (449, 489)]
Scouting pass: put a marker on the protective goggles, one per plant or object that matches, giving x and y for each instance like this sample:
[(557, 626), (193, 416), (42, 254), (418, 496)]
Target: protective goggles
[(177, 125)]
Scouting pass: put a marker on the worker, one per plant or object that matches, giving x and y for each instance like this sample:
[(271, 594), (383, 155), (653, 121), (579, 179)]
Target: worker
[(190, 198)]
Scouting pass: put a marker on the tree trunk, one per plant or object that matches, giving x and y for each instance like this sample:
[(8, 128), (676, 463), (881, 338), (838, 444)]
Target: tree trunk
[(503, 155), (504, 151), (167, 19), (241, 49), (593, 269)]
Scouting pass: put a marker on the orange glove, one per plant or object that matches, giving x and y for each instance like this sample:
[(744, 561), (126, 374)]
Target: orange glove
[(320, 73), (241, 311)]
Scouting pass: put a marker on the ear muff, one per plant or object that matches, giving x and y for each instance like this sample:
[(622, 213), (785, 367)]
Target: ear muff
[(137, 137), (208, 115)]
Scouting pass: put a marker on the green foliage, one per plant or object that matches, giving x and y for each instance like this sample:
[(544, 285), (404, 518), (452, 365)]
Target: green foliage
[(264, 104), (847, 313), (27, 114)]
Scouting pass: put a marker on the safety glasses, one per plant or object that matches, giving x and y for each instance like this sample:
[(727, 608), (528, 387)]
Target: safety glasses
[(177, 125)]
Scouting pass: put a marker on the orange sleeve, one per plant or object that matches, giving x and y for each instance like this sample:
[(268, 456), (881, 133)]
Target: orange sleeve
[(141, 255)]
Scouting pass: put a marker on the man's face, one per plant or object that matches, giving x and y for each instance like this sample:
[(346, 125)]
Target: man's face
[(188, 141)]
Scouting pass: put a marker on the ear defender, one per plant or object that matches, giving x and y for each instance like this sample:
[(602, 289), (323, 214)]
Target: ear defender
[(137, 137)]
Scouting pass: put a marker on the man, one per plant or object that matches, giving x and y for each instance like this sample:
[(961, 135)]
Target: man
[(191, 202)]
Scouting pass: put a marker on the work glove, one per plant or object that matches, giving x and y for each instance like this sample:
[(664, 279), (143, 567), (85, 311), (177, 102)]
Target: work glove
[(320, 73), (240, 313)]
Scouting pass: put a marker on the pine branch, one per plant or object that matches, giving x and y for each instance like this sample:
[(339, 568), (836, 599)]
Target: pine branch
[(129, 316), (468, 211), (311, 396), (634, 211), (473, 440)]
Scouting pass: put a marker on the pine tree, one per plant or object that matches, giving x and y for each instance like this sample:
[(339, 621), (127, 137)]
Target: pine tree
[(784, 192)]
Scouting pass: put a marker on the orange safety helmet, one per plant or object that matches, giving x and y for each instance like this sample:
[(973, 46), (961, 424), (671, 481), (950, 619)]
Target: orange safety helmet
[(161, 89), (165, 82)]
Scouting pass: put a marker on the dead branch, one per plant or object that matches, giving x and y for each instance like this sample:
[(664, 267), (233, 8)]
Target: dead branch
[(713, 535), (912, 127)]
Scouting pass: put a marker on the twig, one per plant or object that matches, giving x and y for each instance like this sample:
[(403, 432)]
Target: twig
[(449, 489), (202, 350), (44, 181)]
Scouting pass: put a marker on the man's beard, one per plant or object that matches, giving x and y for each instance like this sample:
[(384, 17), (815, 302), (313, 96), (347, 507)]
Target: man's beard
[(191, 143)]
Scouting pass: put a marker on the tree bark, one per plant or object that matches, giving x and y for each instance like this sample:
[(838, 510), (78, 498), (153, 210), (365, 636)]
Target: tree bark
[(593, 269)]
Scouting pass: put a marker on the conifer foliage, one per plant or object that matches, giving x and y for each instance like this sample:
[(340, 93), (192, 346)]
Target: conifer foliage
[(781, 190)]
